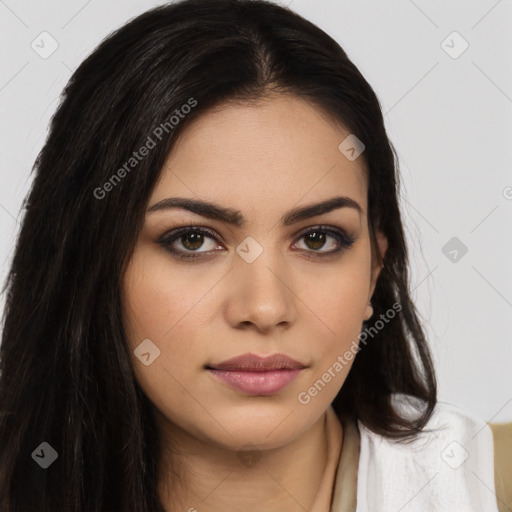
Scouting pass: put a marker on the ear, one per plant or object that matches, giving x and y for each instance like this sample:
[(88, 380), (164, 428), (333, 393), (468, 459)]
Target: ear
[(376, 269)]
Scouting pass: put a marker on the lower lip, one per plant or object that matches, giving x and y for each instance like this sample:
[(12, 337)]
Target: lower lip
[(257, 383)]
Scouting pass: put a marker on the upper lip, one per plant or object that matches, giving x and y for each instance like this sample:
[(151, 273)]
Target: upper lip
[(252, 362)]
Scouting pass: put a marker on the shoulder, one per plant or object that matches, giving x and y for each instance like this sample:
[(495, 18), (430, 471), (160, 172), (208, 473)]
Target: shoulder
[(449, 467)]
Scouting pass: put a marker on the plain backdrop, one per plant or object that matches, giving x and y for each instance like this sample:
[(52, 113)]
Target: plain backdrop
[(443, 74)]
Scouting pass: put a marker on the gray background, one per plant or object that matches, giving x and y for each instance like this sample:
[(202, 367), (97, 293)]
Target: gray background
[(448, 112)]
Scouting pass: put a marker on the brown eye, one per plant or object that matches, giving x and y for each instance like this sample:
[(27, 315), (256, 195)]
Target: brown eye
[(315, 240), (325, 241), (186, 242), (192, 241)]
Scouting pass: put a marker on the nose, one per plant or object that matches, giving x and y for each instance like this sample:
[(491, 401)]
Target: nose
[(260, 294)]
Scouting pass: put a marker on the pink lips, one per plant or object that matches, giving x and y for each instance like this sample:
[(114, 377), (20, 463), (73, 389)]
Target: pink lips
[(257, 375)]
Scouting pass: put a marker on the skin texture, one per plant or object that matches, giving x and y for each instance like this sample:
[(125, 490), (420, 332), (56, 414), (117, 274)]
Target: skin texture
[(263, 160)]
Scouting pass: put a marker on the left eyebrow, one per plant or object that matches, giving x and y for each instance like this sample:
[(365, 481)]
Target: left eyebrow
[(234, 217)]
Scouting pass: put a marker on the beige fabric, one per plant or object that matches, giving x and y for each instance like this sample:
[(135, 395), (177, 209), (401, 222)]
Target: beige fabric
[(345, 488), (334, 437), (502, 434)]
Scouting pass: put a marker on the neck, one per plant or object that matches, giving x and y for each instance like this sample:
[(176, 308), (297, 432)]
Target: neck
[(195, 475)]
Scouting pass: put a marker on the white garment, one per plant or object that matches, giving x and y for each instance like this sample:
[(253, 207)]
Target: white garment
[(450, 468)]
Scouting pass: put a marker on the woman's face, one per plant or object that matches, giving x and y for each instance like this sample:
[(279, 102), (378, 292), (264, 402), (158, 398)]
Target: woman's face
[(256, 279)]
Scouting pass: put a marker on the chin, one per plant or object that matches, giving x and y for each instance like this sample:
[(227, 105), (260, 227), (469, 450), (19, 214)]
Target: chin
[(265, 426)]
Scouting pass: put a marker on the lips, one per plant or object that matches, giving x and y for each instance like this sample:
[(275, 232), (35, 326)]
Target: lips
[(255, 375), (254, 363)]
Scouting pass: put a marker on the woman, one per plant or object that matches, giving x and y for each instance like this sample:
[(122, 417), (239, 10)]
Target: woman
[(208, 306)]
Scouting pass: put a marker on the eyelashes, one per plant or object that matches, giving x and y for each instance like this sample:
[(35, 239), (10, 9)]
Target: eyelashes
[(168, 240), (195, 237)]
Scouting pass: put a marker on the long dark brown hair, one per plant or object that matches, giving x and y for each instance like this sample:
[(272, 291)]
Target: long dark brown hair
[(66, 376)]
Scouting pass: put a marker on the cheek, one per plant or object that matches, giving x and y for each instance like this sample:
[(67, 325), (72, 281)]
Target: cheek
[(339, 296), (161, 309), (159, 302), (339, 302)]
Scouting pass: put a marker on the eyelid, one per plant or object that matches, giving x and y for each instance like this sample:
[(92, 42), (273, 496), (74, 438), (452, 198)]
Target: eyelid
[(172, 235), (320, 227), (345, 240)]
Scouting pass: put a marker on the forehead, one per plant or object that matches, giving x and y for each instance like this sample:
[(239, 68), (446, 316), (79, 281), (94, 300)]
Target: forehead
[(279, 151)]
